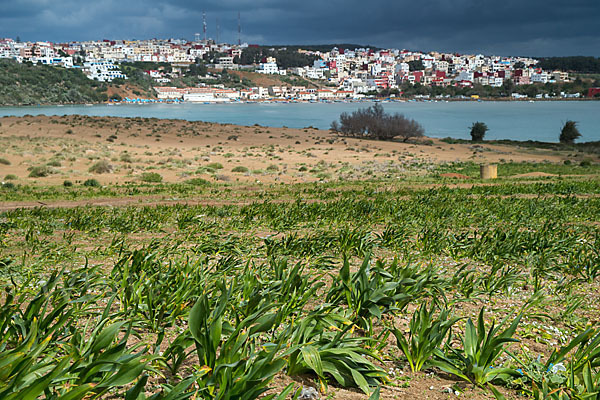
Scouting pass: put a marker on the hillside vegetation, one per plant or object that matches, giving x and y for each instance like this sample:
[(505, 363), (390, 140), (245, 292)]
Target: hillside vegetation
[(573, 64), (28, 84)]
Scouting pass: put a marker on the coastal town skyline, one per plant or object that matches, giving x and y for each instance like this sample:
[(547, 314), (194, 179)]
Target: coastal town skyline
[(519, 29), (338, 73)]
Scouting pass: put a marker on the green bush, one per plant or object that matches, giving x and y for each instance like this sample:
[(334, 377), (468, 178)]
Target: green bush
[(67, 183), (478, 131), (91, 183), (215, 165), (8, 185), (4, 161), (197, 182), (10, 177), (40, 172), (272, 168), (151, 177), (240, 168), (101, 167), (585, 163), (569, 132), (54, 163)]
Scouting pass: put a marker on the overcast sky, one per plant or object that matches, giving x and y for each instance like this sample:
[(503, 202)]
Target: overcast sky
[(502, 27)]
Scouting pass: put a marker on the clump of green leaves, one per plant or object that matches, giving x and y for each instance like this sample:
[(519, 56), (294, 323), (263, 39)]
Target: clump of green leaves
[(91, 183), (425, 334), (474, 362), (151, 177)]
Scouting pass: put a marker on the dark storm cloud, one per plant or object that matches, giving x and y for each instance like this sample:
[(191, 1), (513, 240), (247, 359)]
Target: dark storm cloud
[(515, 27)]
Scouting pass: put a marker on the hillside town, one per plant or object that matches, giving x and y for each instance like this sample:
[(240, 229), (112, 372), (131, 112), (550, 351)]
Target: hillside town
[(337, 74)]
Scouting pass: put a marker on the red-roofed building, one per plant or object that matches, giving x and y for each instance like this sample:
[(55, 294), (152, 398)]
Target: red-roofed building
[(593, 92)]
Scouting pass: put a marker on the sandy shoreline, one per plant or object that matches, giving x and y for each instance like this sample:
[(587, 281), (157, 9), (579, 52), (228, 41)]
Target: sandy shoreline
[(179, 150)]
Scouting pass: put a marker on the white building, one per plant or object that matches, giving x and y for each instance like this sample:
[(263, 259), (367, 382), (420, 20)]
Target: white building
[(163, 92), (542, 77), (465, 76), (269, 68), (211, 95), (66, 62), (103, 70)]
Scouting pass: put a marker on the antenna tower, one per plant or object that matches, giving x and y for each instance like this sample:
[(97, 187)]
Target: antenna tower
[(218, 27), (204, 24), (239, 30)]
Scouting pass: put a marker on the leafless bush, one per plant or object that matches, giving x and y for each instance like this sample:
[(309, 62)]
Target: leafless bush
[(374, 123)]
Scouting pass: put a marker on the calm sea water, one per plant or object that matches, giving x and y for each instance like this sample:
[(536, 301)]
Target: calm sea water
[(506, 120)]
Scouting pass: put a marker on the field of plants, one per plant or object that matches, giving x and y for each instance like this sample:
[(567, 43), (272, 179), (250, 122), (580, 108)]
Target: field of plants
[(359, 289)]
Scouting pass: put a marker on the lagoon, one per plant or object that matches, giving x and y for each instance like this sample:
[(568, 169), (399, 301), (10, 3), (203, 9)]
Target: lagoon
[(516, 120)]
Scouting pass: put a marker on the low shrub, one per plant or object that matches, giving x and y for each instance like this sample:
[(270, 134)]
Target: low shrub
[(10, 177), (4, 161), (54, 163), (40, 172), (101, 167), (151, 177), (197, 182), (67, 183), (240, 168), (215, 165), (374, 123), (91, 183)]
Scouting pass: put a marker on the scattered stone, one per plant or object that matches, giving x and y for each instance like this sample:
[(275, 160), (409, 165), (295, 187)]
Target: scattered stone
[(308, 393)]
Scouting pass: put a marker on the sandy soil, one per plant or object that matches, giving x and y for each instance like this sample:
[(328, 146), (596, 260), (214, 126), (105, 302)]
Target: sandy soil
[(180, 150)]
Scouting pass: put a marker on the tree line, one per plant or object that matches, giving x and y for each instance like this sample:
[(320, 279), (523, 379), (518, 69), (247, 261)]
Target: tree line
[(588, 65), (507, 88), (286, 58)]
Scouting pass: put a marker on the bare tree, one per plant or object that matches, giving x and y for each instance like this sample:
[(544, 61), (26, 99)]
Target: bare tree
[(374, 123)]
